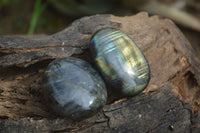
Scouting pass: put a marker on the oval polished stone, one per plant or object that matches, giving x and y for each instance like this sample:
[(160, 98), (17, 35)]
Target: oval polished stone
[(74, 88), (120, 61)]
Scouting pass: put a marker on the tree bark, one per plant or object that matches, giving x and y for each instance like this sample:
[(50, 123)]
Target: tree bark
[(170, 102)]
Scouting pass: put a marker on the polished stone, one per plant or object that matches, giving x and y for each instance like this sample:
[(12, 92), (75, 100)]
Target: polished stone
[(120, 61), (74, 88)]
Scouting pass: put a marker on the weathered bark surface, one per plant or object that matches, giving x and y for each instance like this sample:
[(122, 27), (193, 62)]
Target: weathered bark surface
[(170, 103), (158, 111)]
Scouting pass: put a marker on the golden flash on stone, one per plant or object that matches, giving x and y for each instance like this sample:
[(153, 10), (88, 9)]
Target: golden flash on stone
[(120, 61)]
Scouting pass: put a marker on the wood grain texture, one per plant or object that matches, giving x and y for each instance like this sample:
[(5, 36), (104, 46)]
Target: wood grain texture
[(170, 102), (143, 113)]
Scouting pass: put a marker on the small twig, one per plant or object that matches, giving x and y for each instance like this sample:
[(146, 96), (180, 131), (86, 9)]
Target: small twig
[(175, 14)]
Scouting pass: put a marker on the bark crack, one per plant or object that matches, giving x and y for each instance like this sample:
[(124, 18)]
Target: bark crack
[(10, 51)]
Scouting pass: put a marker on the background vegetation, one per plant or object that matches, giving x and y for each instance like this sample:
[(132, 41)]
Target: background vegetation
[(50, 16)]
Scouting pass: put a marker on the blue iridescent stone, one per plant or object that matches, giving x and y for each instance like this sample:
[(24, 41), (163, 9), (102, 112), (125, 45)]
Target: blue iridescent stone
[(120, 61), (74, 88)]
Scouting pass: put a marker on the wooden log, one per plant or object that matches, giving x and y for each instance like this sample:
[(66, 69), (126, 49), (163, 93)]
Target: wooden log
[(170, 102), (158, 111)]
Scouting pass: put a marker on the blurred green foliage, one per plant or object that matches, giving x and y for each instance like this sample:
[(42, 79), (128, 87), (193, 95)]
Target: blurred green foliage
[(9, 2), (37, 11), (28, 13), (4, 2)]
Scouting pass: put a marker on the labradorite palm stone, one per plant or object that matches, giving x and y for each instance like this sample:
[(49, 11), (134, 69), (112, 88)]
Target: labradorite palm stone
[(120, 61), (74, 88)]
